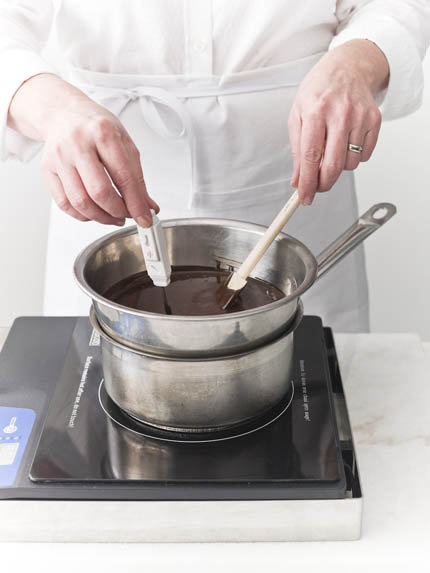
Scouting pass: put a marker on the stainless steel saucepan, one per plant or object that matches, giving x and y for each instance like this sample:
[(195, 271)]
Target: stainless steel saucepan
[(198, 394), (198, 387), (288, 264)]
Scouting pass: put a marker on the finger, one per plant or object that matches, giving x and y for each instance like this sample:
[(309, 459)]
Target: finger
[(333, 162), (356, 137), (59, 196), (123, 165), (99, 187), (294, 130), (369, 144), (153, 205), (81, 201), (132, 150), (311, 153)]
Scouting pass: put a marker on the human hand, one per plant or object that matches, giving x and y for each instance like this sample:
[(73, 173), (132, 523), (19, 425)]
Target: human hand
[(86, 150), (335, 106)]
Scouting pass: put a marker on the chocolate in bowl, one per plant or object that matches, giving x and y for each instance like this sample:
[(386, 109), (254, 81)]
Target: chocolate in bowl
[(191, 292)]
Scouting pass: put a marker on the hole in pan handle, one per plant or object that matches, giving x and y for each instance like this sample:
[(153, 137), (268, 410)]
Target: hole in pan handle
[(379, 213)]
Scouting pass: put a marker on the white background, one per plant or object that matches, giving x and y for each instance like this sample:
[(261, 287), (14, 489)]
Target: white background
[(397, 256)]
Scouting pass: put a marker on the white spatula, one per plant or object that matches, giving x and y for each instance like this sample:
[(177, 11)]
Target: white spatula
[(237, 281)]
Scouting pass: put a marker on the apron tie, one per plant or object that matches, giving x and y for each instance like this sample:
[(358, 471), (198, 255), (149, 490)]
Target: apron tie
[(153, 92), (150, 99)]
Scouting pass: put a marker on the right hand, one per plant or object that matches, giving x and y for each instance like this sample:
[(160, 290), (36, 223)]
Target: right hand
[(86, 150)]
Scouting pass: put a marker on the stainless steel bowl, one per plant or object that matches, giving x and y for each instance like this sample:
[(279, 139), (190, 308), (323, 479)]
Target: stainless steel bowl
[(194, 395), (288, 264)]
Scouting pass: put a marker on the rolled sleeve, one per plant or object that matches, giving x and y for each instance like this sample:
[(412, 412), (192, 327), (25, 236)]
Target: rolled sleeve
[(24, 27), (401, 29)]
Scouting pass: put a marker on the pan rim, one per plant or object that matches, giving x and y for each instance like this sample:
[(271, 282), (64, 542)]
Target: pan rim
[(302, 250)]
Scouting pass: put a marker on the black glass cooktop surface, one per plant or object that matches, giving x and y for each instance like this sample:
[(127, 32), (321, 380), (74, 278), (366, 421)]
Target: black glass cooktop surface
[(82, 452)]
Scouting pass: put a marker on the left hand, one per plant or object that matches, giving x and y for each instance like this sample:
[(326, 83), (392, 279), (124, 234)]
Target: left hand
[(335, 105)]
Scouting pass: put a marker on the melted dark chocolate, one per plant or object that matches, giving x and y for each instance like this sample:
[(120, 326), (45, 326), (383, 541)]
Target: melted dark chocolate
[(191, 292)]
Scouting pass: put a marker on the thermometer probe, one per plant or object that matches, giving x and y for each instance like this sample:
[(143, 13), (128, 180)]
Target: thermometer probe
[(154, 248)]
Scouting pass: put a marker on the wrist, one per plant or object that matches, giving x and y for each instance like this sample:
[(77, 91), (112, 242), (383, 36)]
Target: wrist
[(364, 59), (40, 102)]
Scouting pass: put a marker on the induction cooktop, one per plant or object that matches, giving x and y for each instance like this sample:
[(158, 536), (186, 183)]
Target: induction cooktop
[(62, 437)]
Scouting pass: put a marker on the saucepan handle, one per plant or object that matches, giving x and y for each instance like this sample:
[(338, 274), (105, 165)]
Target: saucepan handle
[(368, 223)]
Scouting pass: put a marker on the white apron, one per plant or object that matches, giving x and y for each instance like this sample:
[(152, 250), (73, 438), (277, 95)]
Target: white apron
[(216, 146)]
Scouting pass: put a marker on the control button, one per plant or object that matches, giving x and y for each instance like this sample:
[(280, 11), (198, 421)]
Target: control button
[(8, 454), (199, 47), (11, 428)]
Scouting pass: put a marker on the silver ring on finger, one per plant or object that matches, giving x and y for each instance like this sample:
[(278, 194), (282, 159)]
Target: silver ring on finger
[(355, 148)]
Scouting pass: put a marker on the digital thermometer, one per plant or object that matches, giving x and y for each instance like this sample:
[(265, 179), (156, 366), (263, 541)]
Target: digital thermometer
[(154, 248)]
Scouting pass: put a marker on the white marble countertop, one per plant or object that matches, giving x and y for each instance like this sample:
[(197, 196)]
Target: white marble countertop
[(387, 385)]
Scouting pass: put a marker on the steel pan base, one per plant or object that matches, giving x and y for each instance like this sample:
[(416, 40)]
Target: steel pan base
[(125, 420)]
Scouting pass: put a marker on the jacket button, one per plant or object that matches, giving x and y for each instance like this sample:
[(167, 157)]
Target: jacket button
[(199, 47)]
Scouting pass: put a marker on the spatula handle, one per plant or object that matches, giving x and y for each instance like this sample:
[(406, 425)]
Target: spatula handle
[(269, 236)]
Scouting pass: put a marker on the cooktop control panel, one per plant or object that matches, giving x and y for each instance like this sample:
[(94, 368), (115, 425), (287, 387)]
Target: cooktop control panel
[(15, 428)]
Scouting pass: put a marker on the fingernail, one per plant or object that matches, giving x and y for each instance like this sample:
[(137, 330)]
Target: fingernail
[(120, 222), (307, 201), (144, 221)]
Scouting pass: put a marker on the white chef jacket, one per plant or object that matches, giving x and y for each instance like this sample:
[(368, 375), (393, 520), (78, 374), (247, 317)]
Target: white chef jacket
[(204, 88)]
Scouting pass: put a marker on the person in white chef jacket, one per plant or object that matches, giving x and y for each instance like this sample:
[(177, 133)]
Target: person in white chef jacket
[(206, 108)]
